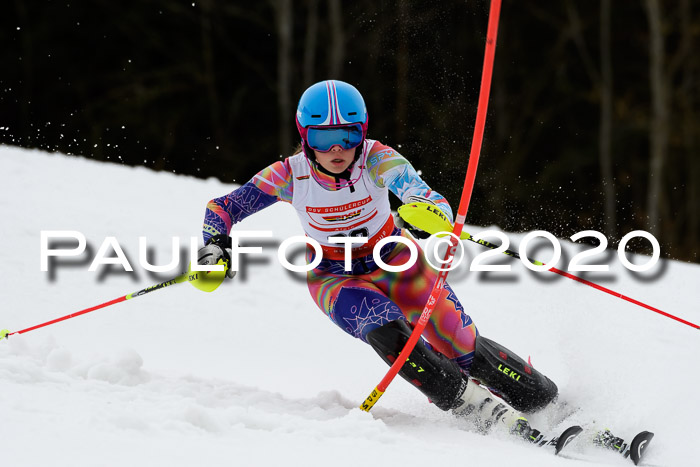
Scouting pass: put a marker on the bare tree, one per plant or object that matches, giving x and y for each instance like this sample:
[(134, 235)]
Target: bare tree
[(689, 131), (209, 77), (27, 75), (402, 59), (604, 80), (284, 23), (337, 46), (310, 42), (605, 138), (659, 127)]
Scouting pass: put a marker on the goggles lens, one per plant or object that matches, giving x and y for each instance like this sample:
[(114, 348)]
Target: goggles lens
[(323, 139)]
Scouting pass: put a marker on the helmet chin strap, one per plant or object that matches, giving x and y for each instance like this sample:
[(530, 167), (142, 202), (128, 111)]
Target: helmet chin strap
[(344, 175)]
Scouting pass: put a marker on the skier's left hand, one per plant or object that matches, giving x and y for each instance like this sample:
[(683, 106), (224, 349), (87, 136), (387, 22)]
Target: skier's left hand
[(217, 248)]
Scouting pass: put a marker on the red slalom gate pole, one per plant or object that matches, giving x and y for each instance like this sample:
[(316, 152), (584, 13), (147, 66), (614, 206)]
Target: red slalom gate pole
[(486, 74)]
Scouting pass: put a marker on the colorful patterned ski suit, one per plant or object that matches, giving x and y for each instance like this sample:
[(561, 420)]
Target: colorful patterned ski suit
[(366, 296)]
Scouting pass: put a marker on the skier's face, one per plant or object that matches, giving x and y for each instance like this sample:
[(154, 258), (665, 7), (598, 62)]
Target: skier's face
[(337, 160)]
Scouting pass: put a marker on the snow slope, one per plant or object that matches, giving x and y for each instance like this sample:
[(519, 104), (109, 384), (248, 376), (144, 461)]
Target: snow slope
[(254, 374)]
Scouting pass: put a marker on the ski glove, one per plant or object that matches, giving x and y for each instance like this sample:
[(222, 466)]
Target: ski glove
[(217, 248)]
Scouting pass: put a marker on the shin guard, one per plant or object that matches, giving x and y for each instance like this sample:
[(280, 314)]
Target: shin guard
[(523, 387), (436, 376)]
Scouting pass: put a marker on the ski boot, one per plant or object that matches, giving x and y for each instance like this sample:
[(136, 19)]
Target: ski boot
[(488, 410)]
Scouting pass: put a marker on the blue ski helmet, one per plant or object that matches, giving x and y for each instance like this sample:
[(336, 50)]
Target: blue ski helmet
[(329, 104)]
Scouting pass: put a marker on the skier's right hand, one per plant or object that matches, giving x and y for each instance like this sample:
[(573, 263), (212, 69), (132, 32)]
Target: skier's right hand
[(415, 231), (217, 248)]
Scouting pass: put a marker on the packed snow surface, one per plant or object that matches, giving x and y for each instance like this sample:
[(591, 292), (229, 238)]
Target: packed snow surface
[(255, 374)]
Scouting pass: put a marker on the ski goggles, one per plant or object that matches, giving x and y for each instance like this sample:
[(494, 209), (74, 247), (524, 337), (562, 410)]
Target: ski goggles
[(322, 139)]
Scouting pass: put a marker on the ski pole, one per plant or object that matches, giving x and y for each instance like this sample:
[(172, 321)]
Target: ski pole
[(203, 282), (515, 254), (424, 217), (489, 54)]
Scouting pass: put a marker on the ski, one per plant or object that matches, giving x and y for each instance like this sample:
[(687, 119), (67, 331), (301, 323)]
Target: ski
[(566, 437), (558, 442), (634, 450), (639, 445)]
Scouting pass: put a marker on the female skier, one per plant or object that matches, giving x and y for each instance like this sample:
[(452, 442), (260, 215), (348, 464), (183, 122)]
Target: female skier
[(339, 183)]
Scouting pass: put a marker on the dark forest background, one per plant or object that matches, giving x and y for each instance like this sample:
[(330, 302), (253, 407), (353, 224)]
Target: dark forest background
[(593, 122)]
